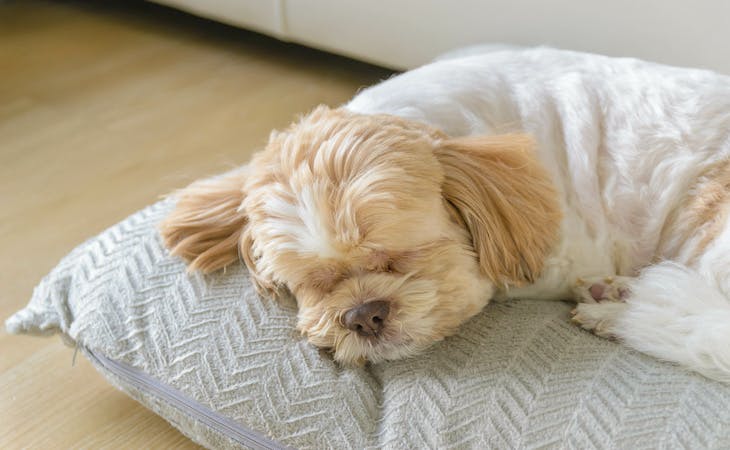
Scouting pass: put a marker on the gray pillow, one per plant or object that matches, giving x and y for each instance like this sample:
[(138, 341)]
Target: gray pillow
[(229, 370)]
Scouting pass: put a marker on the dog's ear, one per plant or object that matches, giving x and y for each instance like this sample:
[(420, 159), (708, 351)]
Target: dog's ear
[(206, 225), (507, 202)]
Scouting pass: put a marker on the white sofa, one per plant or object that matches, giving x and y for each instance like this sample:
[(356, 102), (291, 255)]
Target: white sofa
[(402, 34)]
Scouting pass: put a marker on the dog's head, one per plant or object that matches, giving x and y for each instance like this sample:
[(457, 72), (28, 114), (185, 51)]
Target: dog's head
[(388, 233)]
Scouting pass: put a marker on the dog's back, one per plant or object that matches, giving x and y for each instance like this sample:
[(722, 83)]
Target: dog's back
[(624, 140)]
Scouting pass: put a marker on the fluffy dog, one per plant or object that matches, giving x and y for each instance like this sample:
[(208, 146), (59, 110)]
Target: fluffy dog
[(532, 173)]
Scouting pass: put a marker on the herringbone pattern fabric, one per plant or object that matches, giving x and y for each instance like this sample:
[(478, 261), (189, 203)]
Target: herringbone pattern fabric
[(517, 376)]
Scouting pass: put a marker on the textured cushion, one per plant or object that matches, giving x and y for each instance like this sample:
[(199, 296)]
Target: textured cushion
[(228, 368)]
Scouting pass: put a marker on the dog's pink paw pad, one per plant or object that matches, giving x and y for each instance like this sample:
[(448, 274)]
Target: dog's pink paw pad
[(597, 291), (601, 289)]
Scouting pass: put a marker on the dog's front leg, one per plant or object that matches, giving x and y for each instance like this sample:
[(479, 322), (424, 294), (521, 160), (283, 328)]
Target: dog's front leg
[(670, 312), (601, 300)]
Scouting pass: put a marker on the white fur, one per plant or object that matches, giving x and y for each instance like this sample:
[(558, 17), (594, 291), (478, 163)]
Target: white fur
[(624, 140)]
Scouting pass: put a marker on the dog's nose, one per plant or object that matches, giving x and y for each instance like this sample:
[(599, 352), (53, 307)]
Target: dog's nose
[(367, 319)]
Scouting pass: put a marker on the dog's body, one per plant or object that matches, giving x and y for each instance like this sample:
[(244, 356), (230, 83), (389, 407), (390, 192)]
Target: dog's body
[(623, 140), (622, 206)]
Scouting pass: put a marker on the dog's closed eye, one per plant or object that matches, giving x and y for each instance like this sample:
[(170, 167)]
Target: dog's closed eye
[(384, 262), (325, 278)]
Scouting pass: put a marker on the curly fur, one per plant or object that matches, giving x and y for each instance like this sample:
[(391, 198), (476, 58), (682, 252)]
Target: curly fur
[(507, 174)]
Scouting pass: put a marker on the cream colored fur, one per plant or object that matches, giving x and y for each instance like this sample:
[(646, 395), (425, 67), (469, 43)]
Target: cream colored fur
[(519, 173)]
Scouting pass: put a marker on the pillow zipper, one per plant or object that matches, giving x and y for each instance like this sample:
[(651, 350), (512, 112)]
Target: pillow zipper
[(149, 385)]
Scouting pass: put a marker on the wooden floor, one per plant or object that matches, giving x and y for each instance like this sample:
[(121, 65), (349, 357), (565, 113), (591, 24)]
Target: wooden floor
[(104, 107)]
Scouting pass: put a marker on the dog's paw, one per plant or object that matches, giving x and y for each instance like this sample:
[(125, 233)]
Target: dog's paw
[(601, 289), (600, 318)]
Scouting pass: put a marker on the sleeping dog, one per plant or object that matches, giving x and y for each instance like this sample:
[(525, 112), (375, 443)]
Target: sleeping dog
[(529, 173)]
